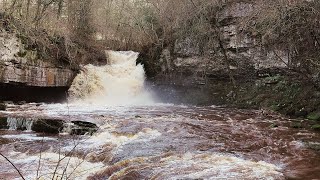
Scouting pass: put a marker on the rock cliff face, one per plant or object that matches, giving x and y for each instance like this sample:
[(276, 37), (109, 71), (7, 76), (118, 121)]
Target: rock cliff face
[(202, 60), (196, 72), (25, 76), (18, 66)]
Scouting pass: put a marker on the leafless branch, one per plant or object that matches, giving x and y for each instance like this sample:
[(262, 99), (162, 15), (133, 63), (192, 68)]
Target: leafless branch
[(13, 166)]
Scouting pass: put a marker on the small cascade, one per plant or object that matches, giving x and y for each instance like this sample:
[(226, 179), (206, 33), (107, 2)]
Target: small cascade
[(19, 123), (48, 126)]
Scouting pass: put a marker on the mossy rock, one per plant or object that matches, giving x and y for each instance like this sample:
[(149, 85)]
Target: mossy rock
[(83, 128), (273, 79), (51, 126), (314, 116)]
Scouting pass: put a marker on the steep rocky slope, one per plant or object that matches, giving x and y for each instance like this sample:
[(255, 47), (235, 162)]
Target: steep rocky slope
[(196, 71), (202, 59), (28, 70), (21, 66)]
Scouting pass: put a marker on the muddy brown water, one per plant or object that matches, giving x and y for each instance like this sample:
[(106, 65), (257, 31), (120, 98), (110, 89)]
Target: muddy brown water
[(162, 142)]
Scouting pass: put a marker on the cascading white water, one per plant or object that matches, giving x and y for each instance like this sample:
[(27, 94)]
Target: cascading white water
[(121, 82), (19, 123)]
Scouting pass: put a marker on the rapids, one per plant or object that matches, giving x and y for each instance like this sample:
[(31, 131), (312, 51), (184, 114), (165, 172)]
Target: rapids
[(162, 142), (139, 138)]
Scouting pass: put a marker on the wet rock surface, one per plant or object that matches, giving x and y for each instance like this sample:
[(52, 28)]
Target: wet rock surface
[(82, 128), (3, 123), (53, 126)]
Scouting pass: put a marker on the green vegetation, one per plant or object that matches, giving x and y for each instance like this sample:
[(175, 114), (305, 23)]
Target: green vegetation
[(316, 127), (289, 96), (315, 116), (291, 26)]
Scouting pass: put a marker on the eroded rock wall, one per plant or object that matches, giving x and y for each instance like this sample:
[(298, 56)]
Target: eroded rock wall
[(196, 61), (20, 66), (192, 71)]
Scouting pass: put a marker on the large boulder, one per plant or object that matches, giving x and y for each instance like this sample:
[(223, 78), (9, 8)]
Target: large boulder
[(51, 126)]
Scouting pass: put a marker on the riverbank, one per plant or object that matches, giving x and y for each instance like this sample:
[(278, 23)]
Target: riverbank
[(280, 91)]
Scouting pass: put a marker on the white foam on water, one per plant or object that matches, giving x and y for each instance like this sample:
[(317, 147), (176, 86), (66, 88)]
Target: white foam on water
[(29, 137), (76, 109), (186, 166), (215, 166), (121, 82), (71, 167), (107, 137), (19, 123)]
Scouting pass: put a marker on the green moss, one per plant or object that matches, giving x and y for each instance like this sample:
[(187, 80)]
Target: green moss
[(273, 79), (316, 127), (314, 116), (277, 106)]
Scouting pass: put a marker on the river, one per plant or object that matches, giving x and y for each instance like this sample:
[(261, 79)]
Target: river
[(162, 142), (138, 137)]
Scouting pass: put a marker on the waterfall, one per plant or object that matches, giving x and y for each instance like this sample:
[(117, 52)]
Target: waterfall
[(19, 123), (120, 82)]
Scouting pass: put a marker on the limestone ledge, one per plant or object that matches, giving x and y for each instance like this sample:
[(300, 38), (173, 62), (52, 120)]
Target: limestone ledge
[(42, 75)]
